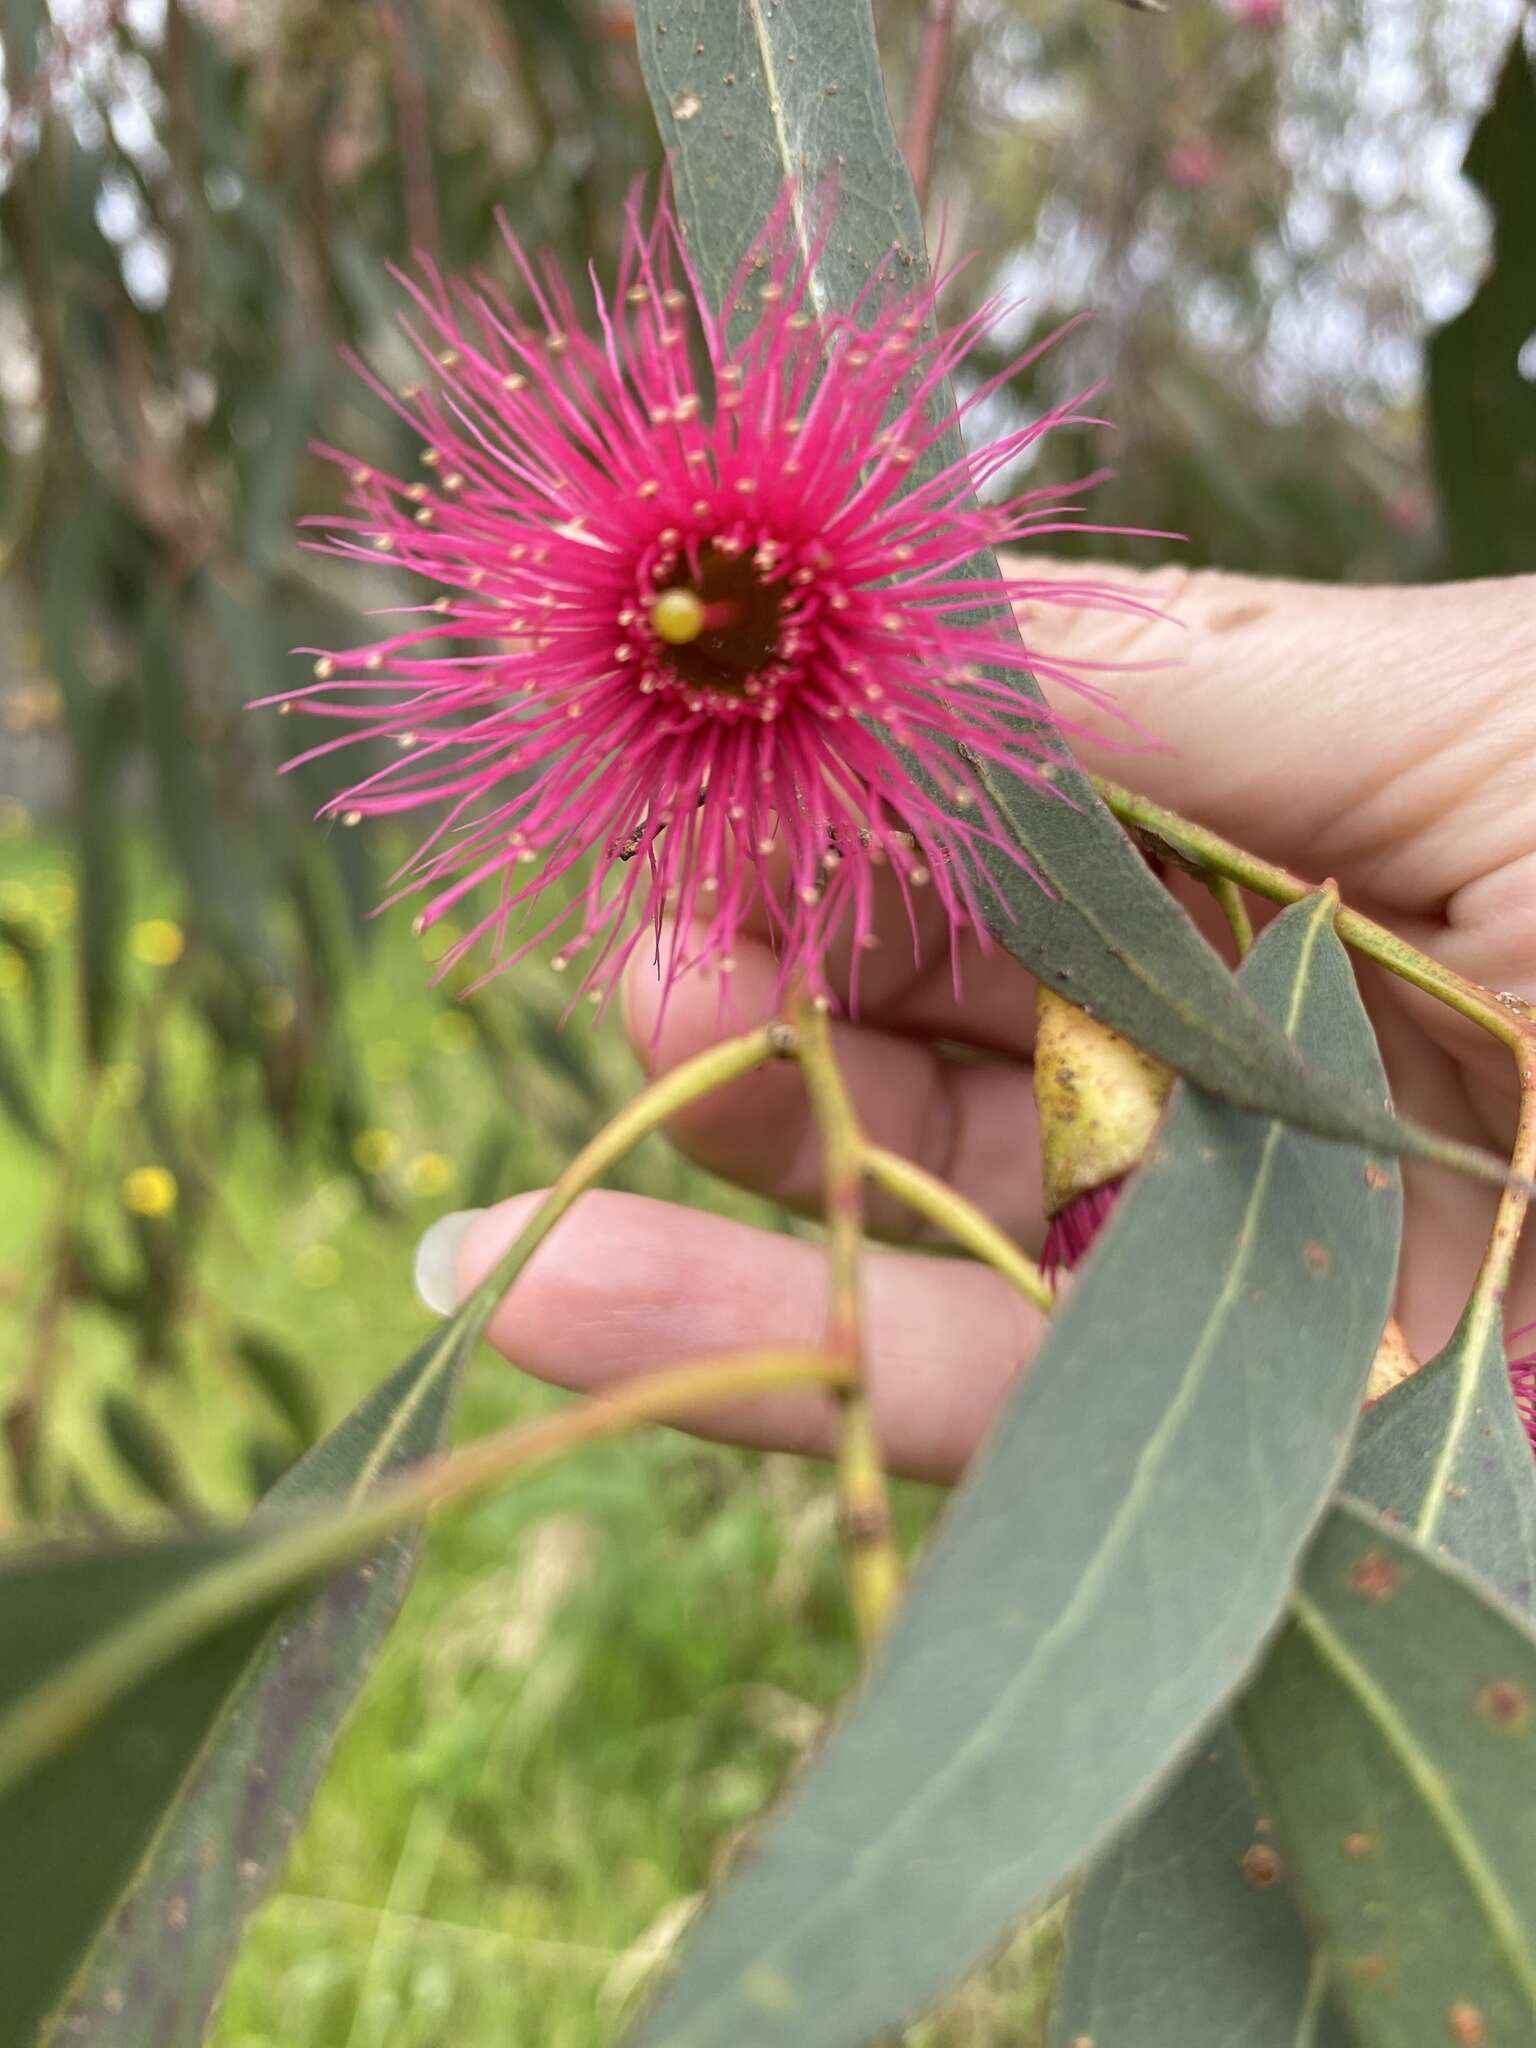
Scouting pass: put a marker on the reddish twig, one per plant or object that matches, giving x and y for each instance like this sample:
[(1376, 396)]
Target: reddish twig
[(413, 126), (928, 93)]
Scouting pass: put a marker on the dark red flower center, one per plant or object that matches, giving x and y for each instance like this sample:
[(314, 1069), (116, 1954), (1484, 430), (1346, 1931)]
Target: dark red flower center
[(735, 633)]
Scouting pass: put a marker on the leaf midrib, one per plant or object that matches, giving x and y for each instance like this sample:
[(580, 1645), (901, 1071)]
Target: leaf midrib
[(774, 94), (1469, 1373), (1433, 1788)]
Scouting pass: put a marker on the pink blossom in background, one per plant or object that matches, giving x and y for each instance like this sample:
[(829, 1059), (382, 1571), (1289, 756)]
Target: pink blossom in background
[(1259, 13), (1190, 165), (683, 601)]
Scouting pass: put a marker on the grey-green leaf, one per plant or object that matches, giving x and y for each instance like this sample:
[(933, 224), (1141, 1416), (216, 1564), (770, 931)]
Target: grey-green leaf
[(1187, 1934), (1160, 1931), (1445, 1453), (74, 1827), (752, 95), (121, 1784), (1394, 1732), (1106, 1575)]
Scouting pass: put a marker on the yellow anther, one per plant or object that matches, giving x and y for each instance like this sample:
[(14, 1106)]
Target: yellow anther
[(677, 616)]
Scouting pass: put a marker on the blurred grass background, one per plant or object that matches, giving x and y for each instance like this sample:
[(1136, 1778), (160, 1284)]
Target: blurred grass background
[(230, 1102)]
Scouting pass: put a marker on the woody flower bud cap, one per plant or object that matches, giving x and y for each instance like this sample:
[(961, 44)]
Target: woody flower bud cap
[(701, 621), (1099, 1099)]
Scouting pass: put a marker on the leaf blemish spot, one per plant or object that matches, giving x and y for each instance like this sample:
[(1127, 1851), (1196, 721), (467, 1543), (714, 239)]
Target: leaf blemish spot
[(1373, 1576), (1356, 1846), (1506, 1705), (1316, 1255), (1465, 2024), (1377, 1178), (1369, 1969), (685, 108), (1261, 1866)]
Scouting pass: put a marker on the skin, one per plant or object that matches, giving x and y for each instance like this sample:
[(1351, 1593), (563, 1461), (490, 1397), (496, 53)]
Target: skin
[(1384, 737)]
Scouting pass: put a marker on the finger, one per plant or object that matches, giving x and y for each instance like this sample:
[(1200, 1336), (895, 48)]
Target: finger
[(626, 1285), (970, 1121), (910, 971), (1383, 736)]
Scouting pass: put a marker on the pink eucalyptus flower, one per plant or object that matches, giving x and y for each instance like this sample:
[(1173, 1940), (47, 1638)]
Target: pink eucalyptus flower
[(1191, 165), (686, 602), (1522, 1379), (1070, 1234)]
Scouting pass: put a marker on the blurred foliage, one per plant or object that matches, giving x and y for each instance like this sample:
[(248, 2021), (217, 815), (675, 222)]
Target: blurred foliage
[(1482, 366), (197, 205), (1260, 205), (199, 202), (173, 1335)]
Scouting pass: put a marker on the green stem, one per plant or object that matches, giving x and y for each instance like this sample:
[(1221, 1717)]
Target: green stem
[(1230, 898), (864, 1513), (652, 1108), (959, 1220), (1507, 1018), (300, 1551)]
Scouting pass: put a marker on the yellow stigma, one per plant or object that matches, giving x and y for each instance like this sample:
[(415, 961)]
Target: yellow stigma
[(678, 616)]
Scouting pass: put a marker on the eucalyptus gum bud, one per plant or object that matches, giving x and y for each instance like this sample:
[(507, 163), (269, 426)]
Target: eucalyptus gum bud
[(1394, 1362), (1099, 1099)]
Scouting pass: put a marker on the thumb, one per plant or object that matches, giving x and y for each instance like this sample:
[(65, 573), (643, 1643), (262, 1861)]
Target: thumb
[(1382, 735)]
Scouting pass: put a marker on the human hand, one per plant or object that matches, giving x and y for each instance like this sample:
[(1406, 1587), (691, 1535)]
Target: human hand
[(1384, 737)]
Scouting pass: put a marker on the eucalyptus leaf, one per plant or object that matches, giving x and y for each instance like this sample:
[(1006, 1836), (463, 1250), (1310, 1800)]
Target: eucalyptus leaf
[(254, 1736), (25, 23), (1446, 1454), (80, 558), (145, 1449), (282, 1378), (755, 95), (218, 877), (19, 1098), (26, 944), (1106, 1575), (1392, 1730), (1187, 1934), (75, 1827), (1161, 1931)]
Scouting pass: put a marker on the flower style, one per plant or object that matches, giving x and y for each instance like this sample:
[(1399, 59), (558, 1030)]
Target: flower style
[(707, 626)]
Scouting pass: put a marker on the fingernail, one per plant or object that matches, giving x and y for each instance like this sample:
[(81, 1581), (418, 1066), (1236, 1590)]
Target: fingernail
[(437, 1258)]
